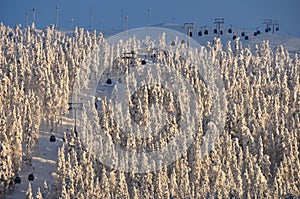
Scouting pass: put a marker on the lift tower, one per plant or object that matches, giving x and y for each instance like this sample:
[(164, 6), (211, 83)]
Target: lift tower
[(218, 22)]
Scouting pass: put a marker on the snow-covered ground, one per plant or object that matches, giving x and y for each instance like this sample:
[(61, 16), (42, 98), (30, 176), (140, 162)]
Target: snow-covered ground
[(44, 160)]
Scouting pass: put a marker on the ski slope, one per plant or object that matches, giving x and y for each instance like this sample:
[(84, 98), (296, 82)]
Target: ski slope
[(44, 161)]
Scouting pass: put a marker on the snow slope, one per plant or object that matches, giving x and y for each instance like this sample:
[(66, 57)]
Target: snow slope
[(43, 161)]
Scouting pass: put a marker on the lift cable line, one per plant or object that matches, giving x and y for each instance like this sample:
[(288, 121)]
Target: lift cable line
[(205, 30)]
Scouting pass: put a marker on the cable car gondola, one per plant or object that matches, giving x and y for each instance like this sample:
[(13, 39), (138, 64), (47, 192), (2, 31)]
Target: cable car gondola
[(108, 81), (255, 34), (243, 34), (31, 177), (206, 32), (230, 30), (17, 180), (143, 62), (52, 138), (277, 29), (246, 37), (234, 37), (215, 31), (200, 33), (221, 32), (191, 34)]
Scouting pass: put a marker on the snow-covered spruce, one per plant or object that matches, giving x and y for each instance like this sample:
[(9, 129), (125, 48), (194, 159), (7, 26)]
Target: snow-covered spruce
[(257, 154)]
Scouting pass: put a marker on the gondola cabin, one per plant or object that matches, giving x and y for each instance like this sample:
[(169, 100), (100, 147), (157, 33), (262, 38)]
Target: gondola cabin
[(52, 138), (17, 180), (31, 177), (108, 81)]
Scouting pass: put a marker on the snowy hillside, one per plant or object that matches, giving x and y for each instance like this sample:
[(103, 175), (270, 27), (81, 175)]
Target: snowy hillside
[(256, 151)]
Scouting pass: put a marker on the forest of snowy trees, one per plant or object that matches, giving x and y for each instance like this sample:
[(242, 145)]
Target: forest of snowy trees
[(256, 155)]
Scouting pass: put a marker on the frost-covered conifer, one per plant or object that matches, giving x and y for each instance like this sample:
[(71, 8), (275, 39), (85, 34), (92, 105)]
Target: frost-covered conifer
[(39, 194), (29, 192), (255, 157)]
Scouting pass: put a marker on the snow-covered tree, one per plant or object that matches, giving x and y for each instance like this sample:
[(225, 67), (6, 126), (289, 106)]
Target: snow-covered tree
[(29, 192), (257, 152)]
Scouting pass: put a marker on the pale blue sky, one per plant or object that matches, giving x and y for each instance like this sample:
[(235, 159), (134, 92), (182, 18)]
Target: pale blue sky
[(240, 13)]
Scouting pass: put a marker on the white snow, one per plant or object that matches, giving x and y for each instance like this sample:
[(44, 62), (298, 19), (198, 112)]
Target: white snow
[(43, 161)]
